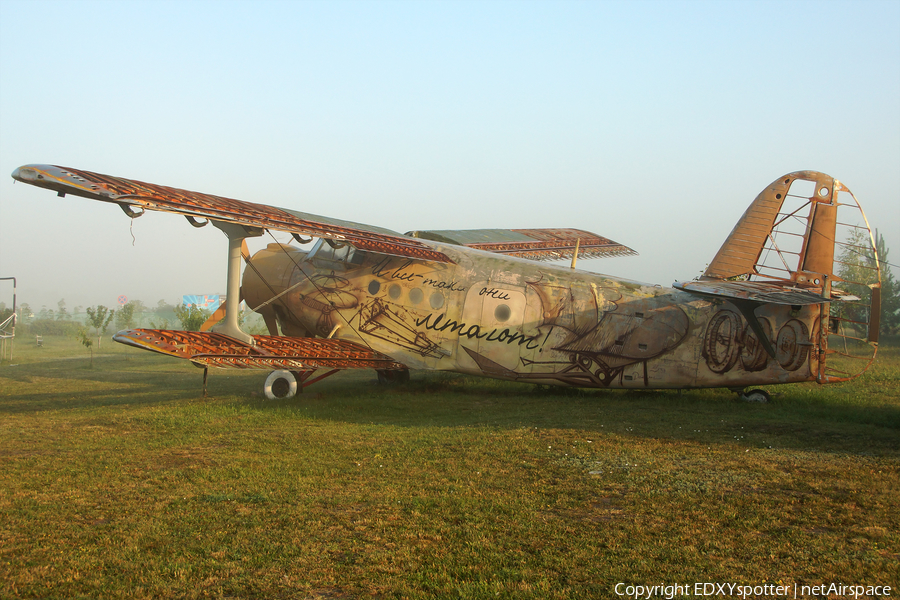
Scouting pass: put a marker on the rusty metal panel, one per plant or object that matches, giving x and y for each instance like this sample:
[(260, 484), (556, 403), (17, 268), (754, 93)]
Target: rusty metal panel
[(267, 352)]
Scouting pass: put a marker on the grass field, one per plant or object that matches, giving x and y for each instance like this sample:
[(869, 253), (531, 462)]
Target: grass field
[(121, 481)]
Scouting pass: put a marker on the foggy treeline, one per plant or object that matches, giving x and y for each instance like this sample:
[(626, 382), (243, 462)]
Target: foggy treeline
[(63, 320)]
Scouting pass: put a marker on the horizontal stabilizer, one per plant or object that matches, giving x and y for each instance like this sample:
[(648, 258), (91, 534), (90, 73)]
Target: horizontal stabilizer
[(754, 291), (535, 244), (267, 352), (136, 196)]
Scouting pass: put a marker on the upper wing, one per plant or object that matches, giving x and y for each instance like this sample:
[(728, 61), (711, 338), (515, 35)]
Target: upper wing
[(536, 244), (267, 352), (130, 194)]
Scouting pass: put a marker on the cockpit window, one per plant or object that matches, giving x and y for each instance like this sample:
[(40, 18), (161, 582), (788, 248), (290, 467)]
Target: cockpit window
[(338, 252)]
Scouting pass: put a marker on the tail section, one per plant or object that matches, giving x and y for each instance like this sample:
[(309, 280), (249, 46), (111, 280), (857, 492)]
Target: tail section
[(807, 234)]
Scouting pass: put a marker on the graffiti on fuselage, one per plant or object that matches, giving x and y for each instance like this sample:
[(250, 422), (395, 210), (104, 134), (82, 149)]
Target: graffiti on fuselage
[(494, 293), (474, 331), (390, 323), (605, 332), (403, 272), (329, 293)]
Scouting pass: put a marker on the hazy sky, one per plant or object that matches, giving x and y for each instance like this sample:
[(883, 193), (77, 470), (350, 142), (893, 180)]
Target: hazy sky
[(652, 123)]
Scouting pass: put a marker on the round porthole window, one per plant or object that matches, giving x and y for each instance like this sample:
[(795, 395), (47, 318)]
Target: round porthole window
[(416, 296), (502, 313), (374, 287), (394, 291), (436, 300)]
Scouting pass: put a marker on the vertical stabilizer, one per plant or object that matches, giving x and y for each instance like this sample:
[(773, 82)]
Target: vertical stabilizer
[(807, 232), (786, 235)]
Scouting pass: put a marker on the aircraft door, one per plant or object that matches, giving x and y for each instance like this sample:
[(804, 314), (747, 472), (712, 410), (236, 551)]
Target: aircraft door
[(494, 321)]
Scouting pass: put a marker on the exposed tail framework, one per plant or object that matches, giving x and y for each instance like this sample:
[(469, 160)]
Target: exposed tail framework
[(807, 234)]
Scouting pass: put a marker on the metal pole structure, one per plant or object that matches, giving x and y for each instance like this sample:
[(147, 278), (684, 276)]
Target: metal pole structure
[(14, 317)]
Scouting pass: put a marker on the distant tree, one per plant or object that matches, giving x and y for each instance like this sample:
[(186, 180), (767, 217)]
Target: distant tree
[(5, 313), (890, 290), (125, 317), (191, 317), (62, 314), (87, 342), (162, 324), (858, 270), (99, 318), (45, 313), (25, 311), (139, 310)]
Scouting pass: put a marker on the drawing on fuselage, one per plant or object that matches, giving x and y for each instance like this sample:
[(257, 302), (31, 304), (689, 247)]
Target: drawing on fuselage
[(728, 337), (771, 307)]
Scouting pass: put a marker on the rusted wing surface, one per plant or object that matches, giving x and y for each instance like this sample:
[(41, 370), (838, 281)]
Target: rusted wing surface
[(534, 244), (132, 194), (268, 352)]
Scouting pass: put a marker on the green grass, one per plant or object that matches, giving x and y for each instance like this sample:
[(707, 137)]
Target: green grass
[(121, 481)]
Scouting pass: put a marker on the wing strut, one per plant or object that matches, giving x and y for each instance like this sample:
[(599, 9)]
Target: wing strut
[(236, 234)]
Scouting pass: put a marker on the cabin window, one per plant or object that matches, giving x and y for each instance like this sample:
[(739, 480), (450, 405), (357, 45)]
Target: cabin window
[(502, 313)]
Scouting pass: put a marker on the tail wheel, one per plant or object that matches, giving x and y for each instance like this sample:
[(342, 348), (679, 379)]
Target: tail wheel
[(280, 385), (756, 396)]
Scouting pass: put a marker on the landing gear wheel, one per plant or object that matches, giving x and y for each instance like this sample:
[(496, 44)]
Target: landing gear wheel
[(393, 377), (756, 396), (280, 385)]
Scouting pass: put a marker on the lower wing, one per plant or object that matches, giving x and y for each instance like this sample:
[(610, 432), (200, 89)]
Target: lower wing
[(206, 349)]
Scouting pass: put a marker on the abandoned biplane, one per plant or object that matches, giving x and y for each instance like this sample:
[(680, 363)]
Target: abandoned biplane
[(770, 308)]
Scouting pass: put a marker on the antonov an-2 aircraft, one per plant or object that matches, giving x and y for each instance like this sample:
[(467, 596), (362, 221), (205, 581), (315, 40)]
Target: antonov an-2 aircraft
[(770, 308)]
